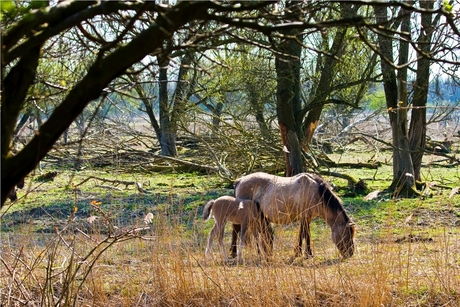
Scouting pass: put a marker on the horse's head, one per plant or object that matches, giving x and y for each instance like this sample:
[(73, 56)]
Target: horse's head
[(343, 228), (343, 236)]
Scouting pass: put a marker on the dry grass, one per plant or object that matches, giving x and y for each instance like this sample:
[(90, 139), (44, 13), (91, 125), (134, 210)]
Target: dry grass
[(165, 266), (66, 262)]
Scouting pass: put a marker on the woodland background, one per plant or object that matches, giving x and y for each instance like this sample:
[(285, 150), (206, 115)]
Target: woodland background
[(125, 118)]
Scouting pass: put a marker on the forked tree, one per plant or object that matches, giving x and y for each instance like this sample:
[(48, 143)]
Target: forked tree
[(152, 29)]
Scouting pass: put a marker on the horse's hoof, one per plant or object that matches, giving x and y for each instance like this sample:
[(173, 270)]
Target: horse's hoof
[(291, 259), (230, 261)]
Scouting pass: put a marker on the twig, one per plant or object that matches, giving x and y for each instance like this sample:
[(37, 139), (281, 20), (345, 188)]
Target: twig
[(221, 169), (140, 189), (86, 235), (183, 162), (18, 284), (452, 159), (116, 182), (108, 187)]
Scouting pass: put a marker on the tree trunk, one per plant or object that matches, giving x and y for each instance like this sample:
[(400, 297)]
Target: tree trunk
[(18, 80), (327, 76), (287, 85), (168, 136), (258, 106), (324, 86), (288, 97), (216, 112), (216, 116), (403, 172), (148, 104), (417, 129), (182, 92), (24, 119)]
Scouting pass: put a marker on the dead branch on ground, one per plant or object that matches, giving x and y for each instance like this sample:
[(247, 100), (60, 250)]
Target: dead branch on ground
[(116, 183)]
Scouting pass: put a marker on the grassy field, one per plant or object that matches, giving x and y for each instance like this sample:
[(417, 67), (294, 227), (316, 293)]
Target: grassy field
[(87, 238)]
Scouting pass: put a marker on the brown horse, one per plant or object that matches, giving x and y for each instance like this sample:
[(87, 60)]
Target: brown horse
[(303, 197), (242, 212)]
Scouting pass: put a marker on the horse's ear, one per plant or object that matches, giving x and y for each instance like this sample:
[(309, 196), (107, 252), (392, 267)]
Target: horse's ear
[(351, 224)]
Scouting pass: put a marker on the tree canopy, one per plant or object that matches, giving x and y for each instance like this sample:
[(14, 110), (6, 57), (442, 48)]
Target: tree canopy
[(67, 54)]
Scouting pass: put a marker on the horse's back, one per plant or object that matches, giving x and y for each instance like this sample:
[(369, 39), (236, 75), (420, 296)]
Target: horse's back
[(253, 186), (282, 199)]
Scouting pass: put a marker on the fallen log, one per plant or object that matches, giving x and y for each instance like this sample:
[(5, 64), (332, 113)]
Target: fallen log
[(324, 160)]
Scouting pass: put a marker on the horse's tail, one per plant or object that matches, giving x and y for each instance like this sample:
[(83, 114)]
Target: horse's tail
[(207, 210), (235, 184)]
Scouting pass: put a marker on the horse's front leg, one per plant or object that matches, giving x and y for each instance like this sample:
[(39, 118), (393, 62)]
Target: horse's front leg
[(304, 233), (308, 251), (236, 228), (298, 249)]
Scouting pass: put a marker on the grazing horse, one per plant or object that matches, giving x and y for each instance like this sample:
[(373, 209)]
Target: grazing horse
[(303, 197), (242, 212)]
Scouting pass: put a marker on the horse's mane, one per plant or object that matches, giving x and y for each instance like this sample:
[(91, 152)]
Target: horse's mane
[(330, 199)]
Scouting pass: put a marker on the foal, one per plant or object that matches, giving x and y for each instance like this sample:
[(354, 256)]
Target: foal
[(242, 212)]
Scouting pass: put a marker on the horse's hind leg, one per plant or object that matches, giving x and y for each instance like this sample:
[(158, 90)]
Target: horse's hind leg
[(236, 228), (241, 243), (266, 236), (269, 236)]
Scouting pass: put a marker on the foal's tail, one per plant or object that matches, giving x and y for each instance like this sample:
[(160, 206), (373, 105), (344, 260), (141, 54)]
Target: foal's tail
[(207, 210)]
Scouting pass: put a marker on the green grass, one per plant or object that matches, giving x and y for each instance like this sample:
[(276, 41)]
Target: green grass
[(407, 249)]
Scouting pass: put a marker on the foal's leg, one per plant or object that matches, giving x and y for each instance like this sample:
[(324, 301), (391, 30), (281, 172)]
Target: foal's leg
[(236, 228), (212, 234), (221, 239)]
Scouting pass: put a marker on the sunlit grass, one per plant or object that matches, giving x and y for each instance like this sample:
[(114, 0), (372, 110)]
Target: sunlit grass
[(408, 250), (167, 269)]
